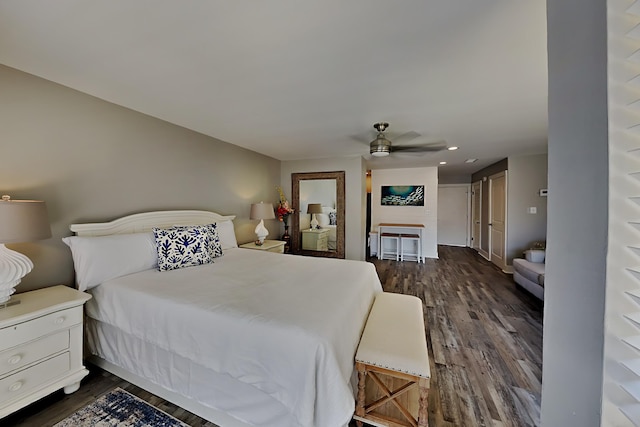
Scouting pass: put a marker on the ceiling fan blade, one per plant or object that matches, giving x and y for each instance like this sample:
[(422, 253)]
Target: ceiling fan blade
[(365, 138), (405, 137), (419, 148)]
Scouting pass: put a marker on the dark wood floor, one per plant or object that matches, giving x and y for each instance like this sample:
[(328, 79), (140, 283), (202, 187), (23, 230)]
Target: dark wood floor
[(484, 337)]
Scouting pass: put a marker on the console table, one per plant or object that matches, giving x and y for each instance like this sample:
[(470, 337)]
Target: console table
[(400, 228)]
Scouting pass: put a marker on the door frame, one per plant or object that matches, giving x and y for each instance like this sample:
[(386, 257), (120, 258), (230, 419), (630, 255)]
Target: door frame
[(502, 265), (472, 211)]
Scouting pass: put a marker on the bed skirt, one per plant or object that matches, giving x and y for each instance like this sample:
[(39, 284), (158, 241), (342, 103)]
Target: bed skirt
[(206, 393)]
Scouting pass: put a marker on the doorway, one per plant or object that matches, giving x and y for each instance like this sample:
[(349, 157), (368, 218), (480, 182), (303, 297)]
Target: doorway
[(453, 215)]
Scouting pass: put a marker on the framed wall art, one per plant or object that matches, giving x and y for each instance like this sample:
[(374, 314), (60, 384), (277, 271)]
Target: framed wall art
[(402, 195)]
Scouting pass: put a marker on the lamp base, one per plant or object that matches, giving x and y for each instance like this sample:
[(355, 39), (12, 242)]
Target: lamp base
[(314, 222), (13, 267), (261, 233)]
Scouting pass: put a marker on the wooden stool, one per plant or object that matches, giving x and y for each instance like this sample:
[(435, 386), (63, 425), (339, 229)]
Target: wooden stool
[(389, 237), (393, 355), (410, 238)]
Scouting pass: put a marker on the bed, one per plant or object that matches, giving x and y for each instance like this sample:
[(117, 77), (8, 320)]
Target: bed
[(252, 338)]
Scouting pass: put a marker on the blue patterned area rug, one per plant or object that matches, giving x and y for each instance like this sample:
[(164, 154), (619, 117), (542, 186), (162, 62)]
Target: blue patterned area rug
[(122, 409)]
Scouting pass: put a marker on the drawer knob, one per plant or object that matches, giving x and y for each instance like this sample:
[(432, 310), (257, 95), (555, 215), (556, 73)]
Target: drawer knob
[(59, 320), (15, 386), (15, 359)]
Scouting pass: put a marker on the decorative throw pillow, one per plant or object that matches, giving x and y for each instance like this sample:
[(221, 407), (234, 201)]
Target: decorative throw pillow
[(213, 245), (333, 218), (180, 247)]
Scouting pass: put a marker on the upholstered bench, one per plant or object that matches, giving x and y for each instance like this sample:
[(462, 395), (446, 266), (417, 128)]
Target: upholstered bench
[(393, 364)]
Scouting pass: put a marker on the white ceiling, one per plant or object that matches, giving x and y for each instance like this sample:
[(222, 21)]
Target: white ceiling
[(299, 79)]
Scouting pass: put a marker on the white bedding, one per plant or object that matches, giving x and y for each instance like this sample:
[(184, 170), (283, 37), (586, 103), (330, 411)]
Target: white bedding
[(286, 326)]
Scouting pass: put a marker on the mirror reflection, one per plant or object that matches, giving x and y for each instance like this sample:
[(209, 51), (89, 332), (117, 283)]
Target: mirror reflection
[(318, 217), (318, 227)]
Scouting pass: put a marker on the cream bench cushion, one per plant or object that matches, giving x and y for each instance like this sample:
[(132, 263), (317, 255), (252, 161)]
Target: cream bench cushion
[(394, 336)]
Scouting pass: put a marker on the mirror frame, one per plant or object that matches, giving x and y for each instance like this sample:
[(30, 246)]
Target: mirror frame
[(340, 213)]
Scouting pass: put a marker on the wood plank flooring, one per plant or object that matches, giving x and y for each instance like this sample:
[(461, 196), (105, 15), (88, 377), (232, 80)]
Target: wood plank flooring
[(484, 337)]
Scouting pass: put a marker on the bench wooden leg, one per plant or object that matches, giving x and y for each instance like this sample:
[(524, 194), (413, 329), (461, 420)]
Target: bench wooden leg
[(360, 404), (423, 411)]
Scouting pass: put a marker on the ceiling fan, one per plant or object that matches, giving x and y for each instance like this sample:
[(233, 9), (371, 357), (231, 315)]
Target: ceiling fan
[(381, 146)]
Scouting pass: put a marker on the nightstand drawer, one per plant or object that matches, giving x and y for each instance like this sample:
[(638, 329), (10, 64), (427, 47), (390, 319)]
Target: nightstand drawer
[(17, 357), (25, 381), (28, 331)]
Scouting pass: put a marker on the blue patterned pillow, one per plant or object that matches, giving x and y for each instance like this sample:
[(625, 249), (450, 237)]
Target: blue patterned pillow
[(213, 245), (333, 218), (180, 247)]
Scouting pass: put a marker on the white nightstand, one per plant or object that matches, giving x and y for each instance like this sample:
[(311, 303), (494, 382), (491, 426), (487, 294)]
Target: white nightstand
[(40, 346), (315, 240), (276, 246)]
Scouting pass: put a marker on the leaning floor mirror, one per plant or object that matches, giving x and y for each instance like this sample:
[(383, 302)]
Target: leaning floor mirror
[(318, 224)]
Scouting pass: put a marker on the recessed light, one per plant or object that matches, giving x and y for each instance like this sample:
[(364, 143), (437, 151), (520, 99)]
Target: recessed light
[(452, 148), (443, 163), (471, 160)]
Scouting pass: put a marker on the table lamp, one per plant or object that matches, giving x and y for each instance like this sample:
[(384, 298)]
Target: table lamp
[(261, 211), (313, 209), (20, 221)]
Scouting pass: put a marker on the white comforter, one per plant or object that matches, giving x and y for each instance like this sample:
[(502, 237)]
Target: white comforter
[(287, 325)]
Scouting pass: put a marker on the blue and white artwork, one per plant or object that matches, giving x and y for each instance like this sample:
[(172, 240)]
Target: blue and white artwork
[(402, 195)]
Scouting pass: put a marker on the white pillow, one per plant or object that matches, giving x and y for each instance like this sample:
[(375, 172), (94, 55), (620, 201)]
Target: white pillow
[(327, 209), (97, 259), (227, 235), (534, 255), (323, 219)]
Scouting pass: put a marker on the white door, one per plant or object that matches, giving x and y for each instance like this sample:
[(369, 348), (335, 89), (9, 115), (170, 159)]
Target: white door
[(476, 209), (453, 215), (498, 218)]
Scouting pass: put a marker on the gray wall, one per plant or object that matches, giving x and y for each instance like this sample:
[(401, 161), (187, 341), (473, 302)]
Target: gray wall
[(495, 168), (355, 195), (445, 179), (527, 175), (91, 160), (577, 214)]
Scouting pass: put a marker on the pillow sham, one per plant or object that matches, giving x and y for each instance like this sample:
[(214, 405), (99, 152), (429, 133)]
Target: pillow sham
[(323, 219), (180, 247), (98, 259), (227, 235)]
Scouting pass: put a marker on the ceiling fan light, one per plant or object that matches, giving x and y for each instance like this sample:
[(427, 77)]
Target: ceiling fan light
[(380, 153)]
